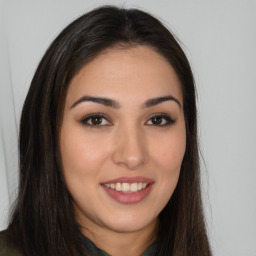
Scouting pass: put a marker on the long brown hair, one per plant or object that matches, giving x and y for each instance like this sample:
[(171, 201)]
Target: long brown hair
[(43, 221)]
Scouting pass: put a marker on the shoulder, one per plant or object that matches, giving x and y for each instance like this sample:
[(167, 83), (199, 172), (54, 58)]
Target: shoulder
[(7, 248)]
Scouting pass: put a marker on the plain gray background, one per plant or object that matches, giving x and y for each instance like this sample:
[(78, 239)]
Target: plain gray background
[(219, 39)]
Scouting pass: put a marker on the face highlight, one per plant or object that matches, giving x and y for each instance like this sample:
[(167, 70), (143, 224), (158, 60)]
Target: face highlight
[(123, 139)]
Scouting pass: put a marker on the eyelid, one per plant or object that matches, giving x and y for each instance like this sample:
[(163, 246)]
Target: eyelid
[(91, 115), (165, 116), (84, 121)]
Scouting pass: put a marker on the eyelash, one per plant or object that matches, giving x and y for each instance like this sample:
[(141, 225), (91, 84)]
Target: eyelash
[(163, 117), (85, 121)]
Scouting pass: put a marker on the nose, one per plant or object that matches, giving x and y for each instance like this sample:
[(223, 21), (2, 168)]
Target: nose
[(130, 148)]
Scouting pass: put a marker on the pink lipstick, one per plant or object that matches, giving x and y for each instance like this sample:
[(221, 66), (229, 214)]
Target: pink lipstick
[(128, 190)]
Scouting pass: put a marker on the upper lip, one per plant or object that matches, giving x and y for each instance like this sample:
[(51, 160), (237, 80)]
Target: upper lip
[(129, 180)]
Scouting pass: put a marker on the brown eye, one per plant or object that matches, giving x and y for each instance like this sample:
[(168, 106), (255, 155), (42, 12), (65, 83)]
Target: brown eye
[(157, 120), (95, 121), (160, 120)]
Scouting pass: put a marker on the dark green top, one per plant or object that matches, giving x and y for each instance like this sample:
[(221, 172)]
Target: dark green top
[(7, 249), (95, 251)]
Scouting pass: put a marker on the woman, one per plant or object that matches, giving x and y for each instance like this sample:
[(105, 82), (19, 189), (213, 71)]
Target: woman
[(108, 145)]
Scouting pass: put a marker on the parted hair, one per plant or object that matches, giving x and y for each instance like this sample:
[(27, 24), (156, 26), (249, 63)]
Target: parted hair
[(43, 221)]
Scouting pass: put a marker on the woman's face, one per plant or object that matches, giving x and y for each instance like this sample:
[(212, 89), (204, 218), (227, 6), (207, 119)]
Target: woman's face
[(123, 139)]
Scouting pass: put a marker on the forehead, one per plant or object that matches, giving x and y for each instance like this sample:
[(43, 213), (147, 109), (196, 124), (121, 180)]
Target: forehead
[(136, 72)]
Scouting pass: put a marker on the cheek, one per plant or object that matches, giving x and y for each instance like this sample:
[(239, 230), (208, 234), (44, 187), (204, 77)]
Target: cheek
[(82, 158), (168, 159), (81, 154), (172, 154), (168, 151)]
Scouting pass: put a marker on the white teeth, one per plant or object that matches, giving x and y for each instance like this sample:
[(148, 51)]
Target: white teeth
[(118, 186), (127, 187), (134, 187)]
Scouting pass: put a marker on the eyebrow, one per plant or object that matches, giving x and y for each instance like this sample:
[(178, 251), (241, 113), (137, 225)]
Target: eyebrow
[(104, 101), (158, 100), (114, 104)]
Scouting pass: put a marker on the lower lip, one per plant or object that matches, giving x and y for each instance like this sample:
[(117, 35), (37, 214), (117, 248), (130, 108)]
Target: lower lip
[(128, 198)]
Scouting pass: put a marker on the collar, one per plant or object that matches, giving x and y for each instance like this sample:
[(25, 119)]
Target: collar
[(93, 250)]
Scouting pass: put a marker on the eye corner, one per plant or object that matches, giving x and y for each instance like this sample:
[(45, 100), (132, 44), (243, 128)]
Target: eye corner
[(160, 120), (95, 120)]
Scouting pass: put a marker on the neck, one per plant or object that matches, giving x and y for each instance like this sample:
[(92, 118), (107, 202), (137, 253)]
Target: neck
[(121, 243)]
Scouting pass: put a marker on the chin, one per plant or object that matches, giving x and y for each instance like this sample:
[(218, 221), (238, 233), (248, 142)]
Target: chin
[(128, 224)]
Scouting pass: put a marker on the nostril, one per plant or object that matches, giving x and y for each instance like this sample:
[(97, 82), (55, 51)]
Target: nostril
[(130, 159), (130, 149)]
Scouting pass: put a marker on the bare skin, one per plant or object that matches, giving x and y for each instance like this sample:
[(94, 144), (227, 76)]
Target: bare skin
[(126, 244), (123, 120)]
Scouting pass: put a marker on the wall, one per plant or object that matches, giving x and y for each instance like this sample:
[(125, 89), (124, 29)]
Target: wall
[(219, 38)]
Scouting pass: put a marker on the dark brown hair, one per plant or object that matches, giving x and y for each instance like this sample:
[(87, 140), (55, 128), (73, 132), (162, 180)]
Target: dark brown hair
[(43, 221)]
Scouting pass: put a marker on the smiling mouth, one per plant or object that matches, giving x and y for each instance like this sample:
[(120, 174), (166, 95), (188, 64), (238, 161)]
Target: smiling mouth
[(128, 190), (125, 187)]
